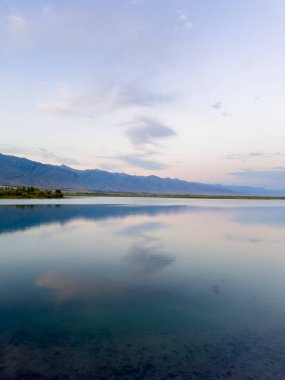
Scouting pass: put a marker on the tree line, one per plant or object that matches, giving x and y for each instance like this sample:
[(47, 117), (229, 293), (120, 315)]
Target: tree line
[(24, 192)]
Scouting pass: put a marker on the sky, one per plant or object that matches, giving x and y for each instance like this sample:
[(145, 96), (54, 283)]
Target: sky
[(190, 89)]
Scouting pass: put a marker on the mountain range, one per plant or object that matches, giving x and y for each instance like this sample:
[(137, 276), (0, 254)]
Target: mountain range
[(17, 171)]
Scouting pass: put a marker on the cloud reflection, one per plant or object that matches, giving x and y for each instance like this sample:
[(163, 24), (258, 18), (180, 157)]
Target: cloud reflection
[(142, 228), (65, 287), (85, 287), (148, 259)]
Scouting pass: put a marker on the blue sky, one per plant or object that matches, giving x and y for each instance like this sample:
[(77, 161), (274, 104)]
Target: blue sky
[(178, 88)]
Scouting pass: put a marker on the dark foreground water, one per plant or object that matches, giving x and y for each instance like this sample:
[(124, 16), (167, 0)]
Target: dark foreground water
[(142, 291)]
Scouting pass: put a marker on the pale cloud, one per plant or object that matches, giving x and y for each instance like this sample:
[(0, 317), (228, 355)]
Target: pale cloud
[(146, 135), (101, 99), (67, 103), (148, 132)]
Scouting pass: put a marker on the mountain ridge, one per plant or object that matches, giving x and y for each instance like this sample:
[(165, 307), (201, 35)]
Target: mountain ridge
[(20, 171)]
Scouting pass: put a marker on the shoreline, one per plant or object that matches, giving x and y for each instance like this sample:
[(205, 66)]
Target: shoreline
[(178, 196)]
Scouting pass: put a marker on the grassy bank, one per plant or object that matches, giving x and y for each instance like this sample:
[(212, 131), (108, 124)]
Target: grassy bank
[(183, 196)]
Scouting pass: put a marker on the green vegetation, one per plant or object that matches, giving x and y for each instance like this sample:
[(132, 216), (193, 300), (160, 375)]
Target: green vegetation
[(182, 196), (29, 193)]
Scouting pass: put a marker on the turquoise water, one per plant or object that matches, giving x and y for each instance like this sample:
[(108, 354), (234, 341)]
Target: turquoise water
[(142, 289)]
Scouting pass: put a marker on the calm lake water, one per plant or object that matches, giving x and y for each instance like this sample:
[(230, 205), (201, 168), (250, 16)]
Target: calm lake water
[(142, 289)]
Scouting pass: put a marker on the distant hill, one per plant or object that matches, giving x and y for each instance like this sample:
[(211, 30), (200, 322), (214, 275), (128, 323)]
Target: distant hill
[(16, 171)]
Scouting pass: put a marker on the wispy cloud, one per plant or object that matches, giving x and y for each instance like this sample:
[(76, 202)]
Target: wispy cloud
[(49, 156), (245, 239), (244, 156), (227, 114), (148, 131), (42, 154), (259, 173), (217, 105), (252, 155), (185, 20), (140, 96), (46, 9), (146, 136), (18, 29), (42, 25), (139, 160)]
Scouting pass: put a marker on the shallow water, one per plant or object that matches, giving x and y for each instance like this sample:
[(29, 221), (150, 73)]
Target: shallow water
[(142, 289)]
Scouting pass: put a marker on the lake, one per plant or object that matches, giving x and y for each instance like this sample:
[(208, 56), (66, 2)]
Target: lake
[(126, 288)]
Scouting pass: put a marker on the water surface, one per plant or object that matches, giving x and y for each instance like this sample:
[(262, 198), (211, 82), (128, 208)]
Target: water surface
[(142, 289)]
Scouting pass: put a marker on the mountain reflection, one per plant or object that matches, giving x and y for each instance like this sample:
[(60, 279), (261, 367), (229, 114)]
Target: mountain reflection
[(15, 218), (22, 217)]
